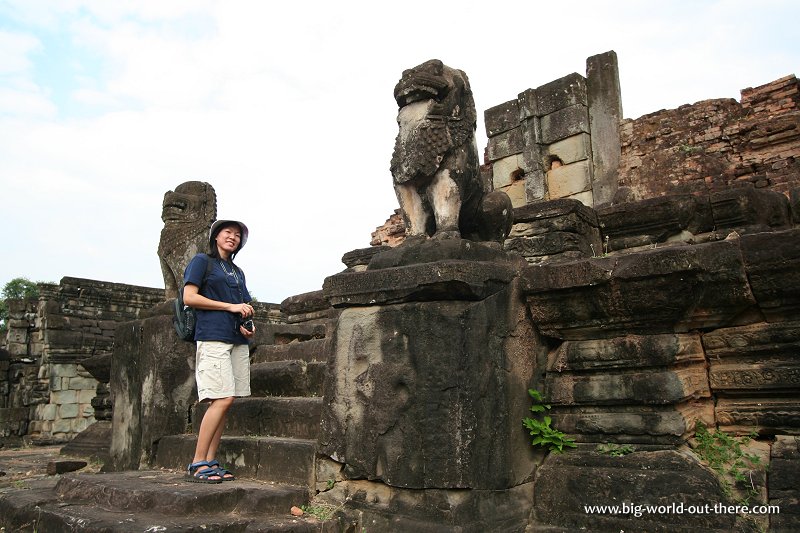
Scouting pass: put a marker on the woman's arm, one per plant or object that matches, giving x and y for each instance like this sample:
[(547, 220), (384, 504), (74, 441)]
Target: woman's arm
[(193, 298)]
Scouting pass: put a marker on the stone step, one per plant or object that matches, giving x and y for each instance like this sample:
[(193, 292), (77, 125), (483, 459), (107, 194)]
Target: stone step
[(121, 503), (287, 378), (295, 417), (169, 493), (279, 460), (310, 350)]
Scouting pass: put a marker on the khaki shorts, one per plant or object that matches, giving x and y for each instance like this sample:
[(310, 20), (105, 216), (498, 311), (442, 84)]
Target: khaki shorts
[(222, 370)]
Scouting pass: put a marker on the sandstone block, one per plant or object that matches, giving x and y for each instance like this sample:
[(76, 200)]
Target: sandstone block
[(352, 259), (654, 220), (564, 123), (395, 509), (63, 371), (586, 197), (628, 352), (437, 269), (547, 245), (69, 410), (772, 261), (569, 179), (759, 357), (566, 483), (652, 386), (505, 144), (152, 383), (80, 383), (64, 397), (642, 424), (571, 149), (501, 118), (562, 93), (314, 301), (57, 384), (528, 104), (86, 395), (507, 170), (747, 207), (554, 215), (766, 414), (672, 290), (516, 192), (46, 411), (419, 388), (62, 467), (62, 425)]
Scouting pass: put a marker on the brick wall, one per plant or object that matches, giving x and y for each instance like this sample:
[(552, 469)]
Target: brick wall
[(714, 145)]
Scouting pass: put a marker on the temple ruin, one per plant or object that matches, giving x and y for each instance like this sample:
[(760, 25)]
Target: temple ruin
[(647, 289)]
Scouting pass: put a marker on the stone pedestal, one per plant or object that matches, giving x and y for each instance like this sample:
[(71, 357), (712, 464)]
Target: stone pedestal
[(428, 378), (152, 384)]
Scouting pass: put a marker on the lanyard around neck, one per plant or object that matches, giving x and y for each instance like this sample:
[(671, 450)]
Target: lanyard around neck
[(235, 276)]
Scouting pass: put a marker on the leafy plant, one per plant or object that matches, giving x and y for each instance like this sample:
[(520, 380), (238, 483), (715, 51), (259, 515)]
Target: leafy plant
[(321, 512), (614, 450), (542, 432), (723, 453)]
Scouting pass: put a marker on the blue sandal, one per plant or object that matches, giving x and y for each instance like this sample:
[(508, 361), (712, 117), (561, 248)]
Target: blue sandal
[(194, 474), (221, 472)]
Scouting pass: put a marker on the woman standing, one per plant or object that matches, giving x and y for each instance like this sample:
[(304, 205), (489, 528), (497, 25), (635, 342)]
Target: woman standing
[(216, 288)]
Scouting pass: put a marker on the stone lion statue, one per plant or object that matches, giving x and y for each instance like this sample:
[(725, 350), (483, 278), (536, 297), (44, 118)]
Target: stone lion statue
[(188, 213), (435, 163)]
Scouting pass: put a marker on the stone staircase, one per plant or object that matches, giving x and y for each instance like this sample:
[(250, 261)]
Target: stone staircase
[(270, 443)]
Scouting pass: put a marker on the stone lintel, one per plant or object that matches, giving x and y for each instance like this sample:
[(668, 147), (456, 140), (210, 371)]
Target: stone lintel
[(554, 209), (642, 424), (441, 280), (671, 290), (629, 387), (554, 242), (630, 351), (766, 414)]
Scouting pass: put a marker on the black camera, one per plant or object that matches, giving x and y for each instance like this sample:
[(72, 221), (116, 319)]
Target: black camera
[(246, 324)]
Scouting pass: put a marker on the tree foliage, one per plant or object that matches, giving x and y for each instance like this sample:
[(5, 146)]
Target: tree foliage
[(16, 289), (19, 288)]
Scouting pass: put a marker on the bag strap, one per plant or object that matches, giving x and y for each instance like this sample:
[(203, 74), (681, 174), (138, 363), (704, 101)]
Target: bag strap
[(209, 268)]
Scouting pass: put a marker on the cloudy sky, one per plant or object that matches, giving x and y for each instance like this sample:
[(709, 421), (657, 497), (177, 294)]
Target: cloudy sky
[(287, 110)]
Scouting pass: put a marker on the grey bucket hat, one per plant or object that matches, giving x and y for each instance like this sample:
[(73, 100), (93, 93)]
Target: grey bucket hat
[(217, 226)]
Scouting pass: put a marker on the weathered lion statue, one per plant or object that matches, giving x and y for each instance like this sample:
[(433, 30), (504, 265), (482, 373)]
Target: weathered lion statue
[(188, 213), (435, 164)]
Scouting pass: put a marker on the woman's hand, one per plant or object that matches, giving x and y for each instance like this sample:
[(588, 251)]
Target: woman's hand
[(245, 310), (247, 333)]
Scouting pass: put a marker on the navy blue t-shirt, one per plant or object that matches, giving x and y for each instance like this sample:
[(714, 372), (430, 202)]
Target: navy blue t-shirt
[(225, 283)]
